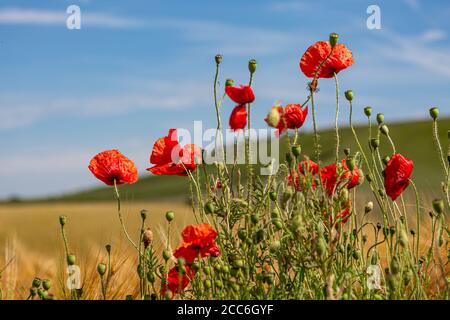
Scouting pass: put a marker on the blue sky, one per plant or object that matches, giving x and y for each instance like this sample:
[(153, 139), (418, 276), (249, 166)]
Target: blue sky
[(137, 68)]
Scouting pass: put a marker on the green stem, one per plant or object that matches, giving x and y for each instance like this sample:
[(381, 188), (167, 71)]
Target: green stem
[(120, 217), (336, 124)]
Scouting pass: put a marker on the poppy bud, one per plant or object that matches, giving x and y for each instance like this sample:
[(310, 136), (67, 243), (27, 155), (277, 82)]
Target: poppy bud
[(167, 254), (42, 294), (369, 207), (36, 283), (334, 37), (287, 194), (101, 269), (218, 58), (71, 259), (62, 220), (273, 117), (242, 234), (277, 223), (375, 143), (356, 254), (403, 238), (181, 262), (368, 111), (344, 194), (108, 248), (368, 178), (273, 195), (33, 292), (218, 284), (229, 82), (386, 160), (296, 150), (380, 118), (208, 284), (349, 95), (144, 214), (168, 295), (254, 219), (438, 206), (151, 277), (170, 215), (252, 66), (147, 237), (351, 164), (209, 207), (384, 129), (46, 284), (434, 113)]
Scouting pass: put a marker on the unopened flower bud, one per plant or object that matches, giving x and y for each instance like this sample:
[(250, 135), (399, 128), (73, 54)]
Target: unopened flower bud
[(229, 82), (350, 163), (144, 214), (167, 254), (334, 38), (62, 220), (36, 283), (384, 129), (71, 259), (101, 269), (296, 150), (209, 207), (254, 219), (380, 118), (369, 207), (273, 117), (147, 237), (33, 291), (368, 111), (108, 248), (375, 143), (46, 284), (438, 206), (218, 58), (151, 277), (170, 215), (349, 95), (434, 113), (168, 295), (252, 66), (273, 195)]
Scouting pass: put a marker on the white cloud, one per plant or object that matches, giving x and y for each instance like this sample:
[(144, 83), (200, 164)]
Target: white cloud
[(18, 111), (433, 35), (19, 16)]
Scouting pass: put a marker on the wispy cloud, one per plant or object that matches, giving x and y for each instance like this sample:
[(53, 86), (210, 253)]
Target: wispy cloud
[(433, 35), (20, 16), (413, 4), (19, 111)]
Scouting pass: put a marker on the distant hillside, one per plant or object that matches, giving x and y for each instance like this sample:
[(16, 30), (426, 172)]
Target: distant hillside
[(413, 139)]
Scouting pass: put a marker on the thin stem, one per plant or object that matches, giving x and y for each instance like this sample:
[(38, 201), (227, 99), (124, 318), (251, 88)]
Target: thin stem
[(316, 135), (336, 124), (120, 217)]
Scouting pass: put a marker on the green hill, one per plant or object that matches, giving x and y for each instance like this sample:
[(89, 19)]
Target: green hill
[(413, 139)]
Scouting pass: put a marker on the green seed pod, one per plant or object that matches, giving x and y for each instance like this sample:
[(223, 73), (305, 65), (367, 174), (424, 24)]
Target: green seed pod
[(252, 64), (277, 223), (207, 270), (62, 220), (101, 268), (356, 254), (208, 284), (368, 111), (254, 218), (170, 215), (140, 270), (242, 234), (349, 95), (238, 263), (321, 247), (351, 163), (36, 283), (229, 82), (395, 265), (42, 294), (434, 113), (375, 143), (33, 291), (288, 193), (168, 295), (46, 284), (151, 277), (181, 262), (218, 58), (71, 259), (438, 206), (218, 284), (407, 276), (226, 269), (273, 195), (296, 150), (380, 118), (377, 296), (334, 38), (167, 254), (209, 207), (384, 129)]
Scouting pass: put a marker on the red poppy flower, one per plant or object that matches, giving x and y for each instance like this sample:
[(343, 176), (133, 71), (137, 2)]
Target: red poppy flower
[(111, 165), (238, 118), (340, 59), (170, 158), (241, 95), (396, 175), (328, 176), (304, 166), (291, 117), (198, 240), (175, 283)]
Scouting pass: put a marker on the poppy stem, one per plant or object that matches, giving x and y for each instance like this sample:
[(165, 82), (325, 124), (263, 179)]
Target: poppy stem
[(336, 124), (248, 151), (120, 217), (316, 135)]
